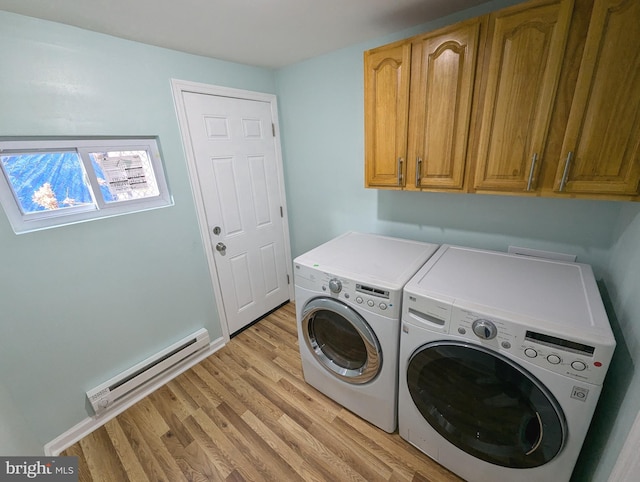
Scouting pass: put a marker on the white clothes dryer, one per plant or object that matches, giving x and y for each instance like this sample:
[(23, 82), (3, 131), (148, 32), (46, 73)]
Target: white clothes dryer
[(502, 360), (348, 295)]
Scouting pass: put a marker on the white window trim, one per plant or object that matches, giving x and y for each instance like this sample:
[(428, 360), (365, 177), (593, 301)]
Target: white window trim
[(25, 223)]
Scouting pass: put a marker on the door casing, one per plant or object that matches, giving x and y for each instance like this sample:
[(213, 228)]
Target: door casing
[(180, 86)]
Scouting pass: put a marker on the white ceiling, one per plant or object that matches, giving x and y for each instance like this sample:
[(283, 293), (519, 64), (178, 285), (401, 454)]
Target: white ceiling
[(266, 33)]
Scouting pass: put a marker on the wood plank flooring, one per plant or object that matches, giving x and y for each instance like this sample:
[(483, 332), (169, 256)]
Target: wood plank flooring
[(246, 414)]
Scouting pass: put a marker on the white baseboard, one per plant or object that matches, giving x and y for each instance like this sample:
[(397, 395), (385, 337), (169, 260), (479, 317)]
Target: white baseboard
[(89, 424)]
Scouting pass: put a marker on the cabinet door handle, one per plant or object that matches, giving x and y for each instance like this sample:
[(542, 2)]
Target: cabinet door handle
[(400, 161), (418, 171), (565, 174), (533, 166)]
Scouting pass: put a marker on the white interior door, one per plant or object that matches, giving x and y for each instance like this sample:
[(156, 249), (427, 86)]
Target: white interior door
[(237, 163)]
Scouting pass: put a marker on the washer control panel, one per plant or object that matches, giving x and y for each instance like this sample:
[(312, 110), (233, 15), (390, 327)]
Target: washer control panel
[(559, 354)]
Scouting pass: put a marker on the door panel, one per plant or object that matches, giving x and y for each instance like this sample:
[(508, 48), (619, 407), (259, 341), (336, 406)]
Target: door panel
[(526, 55), (224, 177), (341, 340), (235, 156), (386, 85), (269, 267), (443, 73), (601, 152), (485, 404)]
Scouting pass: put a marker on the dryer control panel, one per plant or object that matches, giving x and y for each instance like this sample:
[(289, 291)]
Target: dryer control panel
[(375, 299)]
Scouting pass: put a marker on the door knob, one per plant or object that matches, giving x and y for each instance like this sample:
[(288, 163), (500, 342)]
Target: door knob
[(221, 247)]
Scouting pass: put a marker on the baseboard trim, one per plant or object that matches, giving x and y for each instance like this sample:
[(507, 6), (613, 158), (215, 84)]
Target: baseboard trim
[(89, 424)]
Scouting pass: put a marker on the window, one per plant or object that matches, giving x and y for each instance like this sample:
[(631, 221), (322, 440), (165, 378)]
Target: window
[(54, 182)]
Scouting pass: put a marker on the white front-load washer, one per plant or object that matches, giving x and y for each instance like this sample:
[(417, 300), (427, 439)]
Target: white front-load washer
[(502, 360), (348, 294)]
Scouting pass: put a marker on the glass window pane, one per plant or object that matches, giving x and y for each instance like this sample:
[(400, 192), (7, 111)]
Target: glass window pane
[(338, 339), (52, 182), (124, 175), (47, 181), (483, 404)]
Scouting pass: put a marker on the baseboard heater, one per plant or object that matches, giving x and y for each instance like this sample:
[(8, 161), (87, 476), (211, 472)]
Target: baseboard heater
[(109, 392)]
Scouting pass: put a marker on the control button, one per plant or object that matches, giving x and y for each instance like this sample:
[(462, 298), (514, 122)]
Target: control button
[(383, 306), (484, 329), (554, 359), (578, 365), (324, 288), (506, 345), (530, 352), (359, 300), (347, 295), (335, 285), (462, 331), (370, 303)]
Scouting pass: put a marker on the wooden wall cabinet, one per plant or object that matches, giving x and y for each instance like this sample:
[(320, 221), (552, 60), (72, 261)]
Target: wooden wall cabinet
[(526, 49), (386, 108), (495, 105), (417, 118), (443, 69), (601, 148)]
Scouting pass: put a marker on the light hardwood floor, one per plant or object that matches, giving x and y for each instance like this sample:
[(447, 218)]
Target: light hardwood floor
[(245, 413)]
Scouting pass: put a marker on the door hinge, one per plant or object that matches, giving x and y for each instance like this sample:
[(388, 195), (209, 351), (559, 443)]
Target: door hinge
[(273, 129), (281, 212), (288, 280)]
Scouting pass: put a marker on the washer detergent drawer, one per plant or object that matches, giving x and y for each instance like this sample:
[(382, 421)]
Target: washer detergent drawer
[(432, 314)]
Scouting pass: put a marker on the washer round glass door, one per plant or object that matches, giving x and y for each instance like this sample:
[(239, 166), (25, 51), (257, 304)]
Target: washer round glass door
[(485, 404), (341, 340)]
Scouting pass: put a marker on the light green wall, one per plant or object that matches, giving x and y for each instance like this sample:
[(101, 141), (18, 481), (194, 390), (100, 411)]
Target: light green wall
[(81, 303), (16, 436), (622, 402)]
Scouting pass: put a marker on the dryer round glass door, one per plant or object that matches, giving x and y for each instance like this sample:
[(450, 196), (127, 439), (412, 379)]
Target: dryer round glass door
[(485, 404), (341, 340)]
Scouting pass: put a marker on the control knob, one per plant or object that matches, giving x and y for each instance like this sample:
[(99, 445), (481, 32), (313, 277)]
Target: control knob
[(484, 329), (335, 285)]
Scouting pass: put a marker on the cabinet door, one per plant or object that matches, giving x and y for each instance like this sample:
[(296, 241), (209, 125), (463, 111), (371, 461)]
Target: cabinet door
[(600, 151), (443, 68), (386, 94), (525, 58)]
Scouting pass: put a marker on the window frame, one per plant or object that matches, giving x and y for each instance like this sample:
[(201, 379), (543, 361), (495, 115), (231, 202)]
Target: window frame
[(34, 221)]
